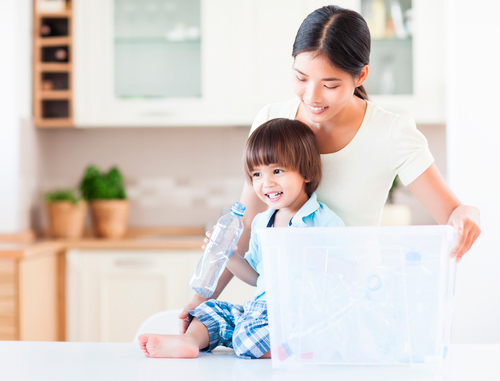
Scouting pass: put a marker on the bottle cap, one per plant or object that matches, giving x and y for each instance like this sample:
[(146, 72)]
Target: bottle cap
[(238, 209), (413, 256)]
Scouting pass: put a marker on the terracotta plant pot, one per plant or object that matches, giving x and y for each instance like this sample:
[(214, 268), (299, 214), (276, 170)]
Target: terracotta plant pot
[(110, 217), (66, 219)]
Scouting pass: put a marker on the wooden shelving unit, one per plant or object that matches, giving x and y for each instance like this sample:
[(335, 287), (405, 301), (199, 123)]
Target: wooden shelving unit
[(52, 67)]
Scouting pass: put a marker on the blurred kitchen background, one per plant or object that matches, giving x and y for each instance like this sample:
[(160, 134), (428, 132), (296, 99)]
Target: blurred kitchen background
[(167, 90)]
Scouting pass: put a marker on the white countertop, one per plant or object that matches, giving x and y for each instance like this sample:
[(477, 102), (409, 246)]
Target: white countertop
[(122, 361)]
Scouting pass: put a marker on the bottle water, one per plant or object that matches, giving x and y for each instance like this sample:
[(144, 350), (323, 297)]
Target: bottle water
[(420, 308), (222, 242), (297, 345)]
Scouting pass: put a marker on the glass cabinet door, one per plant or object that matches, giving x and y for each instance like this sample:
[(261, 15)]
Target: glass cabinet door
[(157, 49), (391, 60)]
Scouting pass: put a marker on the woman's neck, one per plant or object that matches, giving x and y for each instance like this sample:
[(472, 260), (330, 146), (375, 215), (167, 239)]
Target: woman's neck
[(336, 133)]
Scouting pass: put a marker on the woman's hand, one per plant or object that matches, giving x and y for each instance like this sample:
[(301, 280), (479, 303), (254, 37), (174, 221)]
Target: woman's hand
[(466, 220), (183, 316)]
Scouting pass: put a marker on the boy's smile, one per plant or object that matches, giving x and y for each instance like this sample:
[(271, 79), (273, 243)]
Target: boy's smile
[(279, 188), (274, 196)]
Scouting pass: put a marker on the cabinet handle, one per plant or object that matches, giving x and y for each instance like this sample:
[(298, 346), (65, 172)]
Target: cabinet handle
[(155, 114), (133, 263)]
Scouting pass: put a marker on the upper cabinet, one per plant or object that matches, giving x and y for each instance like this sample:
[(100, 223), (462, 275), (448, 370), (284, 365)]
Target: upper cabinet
[(407, 64), (407, 61), (146, 63), (174, 62), (217, 62), (52, 64)]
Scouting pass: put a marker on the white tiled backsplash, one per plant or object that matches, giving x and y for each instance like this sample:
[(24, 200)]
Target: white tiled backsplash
[(174, 176)]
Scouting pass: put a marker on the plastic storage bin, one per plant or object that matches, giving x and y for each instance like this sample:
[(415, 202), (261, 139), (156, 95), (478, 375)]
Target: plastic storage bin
[(359, 295)]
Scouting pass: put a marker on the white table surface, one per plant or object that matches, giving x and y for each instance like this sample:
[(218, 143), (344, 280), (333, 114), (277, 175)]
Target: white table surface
[(122, 361)]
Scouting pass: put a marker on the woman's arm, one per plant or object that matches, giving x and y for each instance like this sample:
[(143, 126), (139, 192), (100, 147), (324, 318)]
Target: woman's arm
[(436, 196)]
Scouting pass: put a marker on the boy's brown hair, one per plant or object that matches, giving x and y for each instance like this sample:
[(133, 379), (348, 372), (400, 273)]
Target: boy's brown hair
[(288, 143)]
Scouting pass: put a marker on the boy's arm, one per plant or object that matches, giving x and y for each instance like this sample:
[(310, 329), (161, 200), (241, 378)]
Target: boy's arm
[(242, 269)]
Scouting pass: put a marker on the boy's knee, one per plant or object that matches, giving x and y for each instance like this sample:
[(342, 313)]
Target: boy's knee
[(250, 344), (242, 351)]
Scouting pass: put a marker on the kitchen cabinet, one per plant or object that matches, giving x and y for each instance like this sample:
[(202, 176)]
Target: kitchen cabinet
[(154, 63), (52, 65), (217, 62), (30, 295), (407, 61), (180, 63), (111, 292)]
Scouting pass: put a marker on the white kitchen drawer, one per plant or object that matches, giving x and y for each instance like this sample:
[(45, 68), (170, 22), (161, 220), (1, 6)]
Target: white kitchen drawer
[(111, 292)]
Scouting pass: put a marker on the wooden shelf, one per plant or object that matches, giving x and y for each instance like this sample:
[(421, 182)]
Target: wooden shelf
[(68, 13), (53, 67), (52, 81), (53, 41), (54, 123), (55, 94)]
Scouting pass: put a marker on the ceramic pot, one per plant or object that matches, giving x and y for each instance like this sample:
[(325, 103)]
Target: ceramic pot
[(66, 219), (110, 217)]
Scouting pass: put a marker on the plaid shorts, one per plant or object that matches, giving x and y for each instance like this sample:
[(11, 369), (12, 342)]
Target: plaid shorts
[(243, 328)]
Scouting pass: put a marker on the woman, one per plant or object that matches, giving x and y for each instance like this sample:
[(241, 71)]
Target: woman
[(363, 147)]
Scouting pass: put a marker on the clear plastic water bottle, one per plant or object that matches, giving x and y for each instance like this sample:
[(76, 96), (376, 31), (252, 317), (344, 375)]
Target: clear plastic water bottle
[(219, 248), (420, 308), (297, 344)]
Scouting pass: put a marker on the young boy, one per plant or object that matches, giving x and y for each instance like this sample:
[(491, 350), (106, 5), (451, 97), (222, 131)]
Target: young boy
[(282, 161)]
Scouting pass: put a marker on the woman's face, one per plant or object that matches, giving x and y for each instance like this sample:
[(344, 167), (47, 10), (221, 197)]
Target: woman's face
[(323, 89)]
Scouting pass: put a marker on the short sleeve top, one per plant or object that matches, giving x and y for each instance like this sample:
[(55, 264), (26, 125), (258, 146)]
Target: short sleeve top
[(356, 179)]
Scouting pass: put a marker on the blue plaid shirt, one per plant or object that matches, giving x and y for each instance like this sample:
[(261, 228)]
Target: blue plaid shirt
[(312, 214)]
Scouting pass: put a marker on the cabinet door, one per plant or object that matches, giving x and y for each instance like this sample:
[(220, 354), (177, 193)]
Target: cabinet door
[(8, 300), (154, 63), (407, 61), (110, 293)]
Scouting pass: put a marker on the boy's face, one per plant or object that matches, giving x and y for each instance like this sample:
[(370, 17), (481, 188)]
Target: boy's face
[(279, 188)]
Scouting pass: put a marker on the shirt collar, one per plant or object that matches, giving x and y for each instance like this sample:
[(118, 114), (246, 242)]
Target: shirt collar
[(311, 206)]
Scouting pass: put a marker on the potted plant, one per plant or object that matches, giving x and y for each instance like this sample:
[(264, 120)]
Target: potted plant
[(66, 211), (395, 213), (105, 192)]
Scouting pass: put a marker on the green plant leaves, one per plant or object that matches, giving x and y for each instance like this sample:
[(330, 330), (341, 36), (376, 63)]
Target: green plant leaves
[(62, 195), (97, 185)]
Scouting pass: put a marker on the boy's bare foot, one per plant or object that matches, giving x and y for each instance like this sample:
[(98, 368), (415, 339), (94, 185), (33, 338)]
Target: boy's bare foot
[(171, 346)]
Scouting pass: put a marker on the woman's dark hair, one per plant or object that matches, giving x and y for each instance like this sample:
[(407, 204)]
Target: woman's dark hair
[(341, 35), (288, 143)]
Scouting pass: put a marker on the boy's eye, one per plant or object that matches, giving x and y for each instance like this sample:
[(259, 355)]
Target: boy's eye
[(256, 174), (277, 171)]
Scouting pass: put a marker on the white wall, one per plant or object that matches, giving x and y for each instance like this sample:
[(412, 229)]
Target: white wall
[(473, 144), (9, 123), (15, 112)]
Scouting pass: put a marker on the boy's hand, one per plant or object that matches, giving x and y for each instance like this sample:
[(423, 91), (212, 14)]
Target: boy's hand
[(183, 316), (208, 234)]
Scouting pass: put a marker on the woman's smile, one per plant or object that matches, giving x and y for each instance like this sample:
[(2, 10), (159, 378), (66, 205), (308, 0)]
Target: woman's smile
[(316, 109)]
